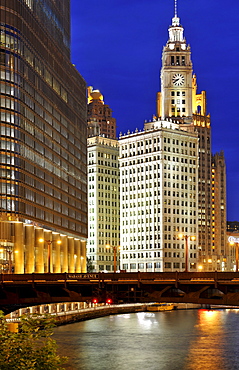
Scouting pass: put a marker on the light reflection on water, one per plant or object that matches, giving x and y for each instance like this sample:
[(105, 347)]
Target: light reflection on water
[(173, 340)]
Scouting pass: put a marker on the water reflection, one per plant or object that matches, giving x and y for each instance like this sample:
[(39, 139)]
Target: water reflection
[(174, 340), (206, 349)]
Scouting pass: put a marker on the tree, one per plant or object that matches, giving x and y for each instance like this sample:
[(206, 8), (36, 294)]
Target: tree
[(32, 348)]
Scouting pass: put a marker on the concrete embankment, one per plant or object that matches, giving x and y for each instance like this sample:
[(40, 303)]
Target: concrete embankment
[(96, 312)]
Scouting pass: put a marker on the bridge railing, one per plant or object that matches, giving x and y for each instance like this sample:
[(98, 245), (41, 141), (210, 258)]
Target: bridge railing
[(129, 276)]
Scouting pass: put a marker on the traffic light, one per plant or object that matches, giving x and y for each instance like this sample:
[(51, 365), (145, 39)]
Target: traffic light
[(109, 301)]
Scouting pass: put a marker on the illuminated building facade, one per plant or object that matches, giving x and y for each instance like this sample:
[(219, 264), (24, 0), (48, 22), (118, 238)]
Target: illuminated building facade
[(103, 185), (232, 250), (179, 100), (103, 203), (219, 239), (43, 190), (158, 197)]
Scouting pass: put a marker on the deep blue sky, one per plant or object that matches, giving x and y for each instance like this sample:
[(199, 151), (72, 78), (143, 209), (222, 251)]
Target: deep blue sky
[(117, 48)]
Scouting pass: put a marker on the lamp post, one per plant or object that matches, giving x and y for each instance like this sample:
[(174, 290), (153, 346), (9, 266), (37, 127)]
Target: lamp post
[(49, 243), (115, 252), (234, 241), (186, 238)]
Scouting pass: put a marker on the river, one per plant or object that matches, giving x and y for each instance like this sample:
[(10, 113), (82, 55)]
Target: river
[(173, 340)]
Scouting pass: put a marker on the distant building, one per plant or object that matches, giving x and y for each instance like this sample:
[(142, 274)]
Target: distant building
[(159, 198), (103, 185), (43, 190), (219, 203), (232, 226), (100, 120), (232, 246)]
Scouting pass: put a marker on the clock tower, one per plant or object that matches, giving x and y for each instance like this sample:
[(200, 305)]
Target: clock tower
[(175, 99)]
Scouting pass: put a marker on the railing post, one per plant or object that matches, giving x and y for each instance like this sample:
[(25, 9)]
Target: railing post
[(33, 280), (65, 279), (215, 279), (176, 279), (139, 279)]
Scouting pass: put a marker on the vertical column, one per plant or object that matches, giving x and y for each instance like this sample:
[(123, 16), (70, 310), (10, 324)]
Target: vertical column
[(47, 251), (18, 254), (29, 249), (71, 255), (78, 256), (64, 251), (39, 255), (83, 254), (57, 254), (41, 310), (5, 230)]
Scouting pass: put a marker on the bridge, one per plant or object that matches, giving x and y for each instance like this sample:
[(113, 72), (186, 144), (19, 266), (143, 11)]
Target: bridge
[(23, 290)]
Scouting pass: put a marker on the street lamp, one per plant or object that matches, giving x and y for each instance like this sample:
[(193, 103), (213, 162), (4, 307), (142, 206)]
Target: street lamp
[(49, 243), (186, 238), (115, 251), (234, 241)]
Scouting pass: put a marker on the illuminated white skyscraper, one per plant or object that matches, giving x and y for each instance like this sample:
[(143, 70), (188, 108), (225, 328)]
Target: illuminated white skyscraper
[(159, 187)]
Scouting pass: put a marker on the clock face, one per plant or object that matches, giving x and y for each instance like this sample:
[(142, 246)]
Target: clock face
[(178, 79)]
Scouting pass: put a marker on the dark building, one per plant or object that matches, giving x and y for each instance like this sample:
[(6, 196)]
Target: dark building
[(43, 191), (232, 226)]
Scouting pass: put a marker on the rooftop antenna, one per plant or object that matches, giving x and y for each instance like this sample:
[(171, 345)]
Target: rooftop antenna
[(176, 9)]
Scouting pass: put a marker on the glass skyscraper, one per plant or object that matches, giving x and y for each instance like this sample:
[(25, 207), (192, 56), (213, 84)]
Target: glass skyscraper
[(43, 137)]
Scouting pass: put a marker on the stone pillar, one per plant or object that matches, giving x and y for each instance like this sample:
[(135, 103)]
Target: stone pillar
[(57, 254), (83, 254), (18, 251), (64, 252), (47, 253), (29, 248), (77, 255), (39, 255), (5, 230), (41, 310), (71, 255)]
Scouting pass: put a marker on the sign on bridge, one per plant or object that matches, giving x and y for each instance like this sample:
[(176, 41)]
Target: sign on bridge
[(86, 276)]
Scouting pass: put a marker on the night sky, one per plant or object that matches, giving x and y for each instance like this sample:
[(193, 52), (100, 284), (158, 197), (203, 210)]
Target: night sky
[(117, 47)]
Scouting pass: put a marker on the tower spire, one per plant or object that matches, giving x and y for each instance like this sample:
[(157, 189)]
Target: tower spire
[(175, 20), (176, 9)]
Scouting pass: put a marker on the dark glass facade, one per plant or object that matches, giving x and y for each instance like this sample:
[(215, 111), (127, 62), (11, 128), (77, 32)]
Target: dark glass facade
[(43, 119)]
